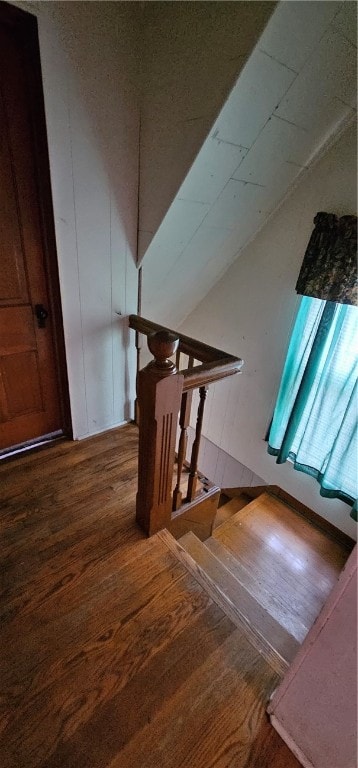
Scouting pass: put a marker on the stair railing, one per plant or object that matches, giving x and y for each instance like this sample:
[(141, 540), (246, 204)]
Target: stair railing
[(164, 394)]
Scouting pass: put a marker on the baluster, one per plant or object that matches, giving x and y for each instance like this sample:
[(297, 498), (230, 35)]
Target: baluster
[(183, 442), (193, 475), (138, 341), (177, 359), (159, 389), (184, 419)]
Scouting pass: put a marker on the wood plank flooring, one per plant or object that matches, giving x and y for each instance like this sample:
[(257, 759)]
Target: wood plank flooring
[(270, 637), (112, 653), (286, 563)]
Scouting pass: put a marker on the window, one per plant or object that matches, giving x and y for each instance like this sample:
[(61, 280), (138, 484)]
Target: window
[(315, 418)]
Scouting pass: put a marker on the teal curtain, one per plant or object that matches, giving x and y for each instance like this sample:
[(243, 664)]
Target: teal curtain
[(315, 418)]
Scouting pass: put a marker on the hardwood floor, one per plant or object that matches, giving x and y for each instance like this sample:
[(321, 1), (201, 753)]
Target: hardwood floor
[(64, 511), (270, 570), (270, 638), (113, 655), (286, 563)]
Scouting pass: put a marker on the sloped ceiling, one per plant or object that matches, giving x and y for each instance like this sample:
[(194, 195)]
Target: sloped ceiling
[(190, 55), (295, 93)]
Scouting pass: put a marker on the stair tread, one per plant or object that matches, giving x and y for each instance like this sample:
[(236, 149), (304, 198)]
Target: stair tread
[(288, 565), (227, 510), (237, 516), (252, 612), (254, 585), (229, 560)]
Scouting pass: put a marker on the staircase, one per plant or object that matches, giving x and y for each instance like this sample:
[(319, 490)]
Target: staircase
[(267, 567), (270, 569)]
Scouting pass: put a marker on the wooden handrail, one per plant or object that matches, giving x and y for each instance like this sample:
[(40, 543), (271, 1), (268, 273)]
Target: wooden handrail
[(207, 373), (163, 392), (217, 364)]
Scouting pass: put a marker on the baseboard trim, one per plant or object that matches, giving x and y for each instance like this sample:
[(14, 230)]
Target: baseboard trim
[(102, 430), (16, 451)]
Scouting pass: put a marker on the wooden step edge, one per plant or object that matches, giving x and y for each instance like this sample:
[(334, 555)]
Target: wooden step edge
[(279, 664), (226, 511), (218, 549), (259, 617), (334, 533), (251, 584), (241, 513)]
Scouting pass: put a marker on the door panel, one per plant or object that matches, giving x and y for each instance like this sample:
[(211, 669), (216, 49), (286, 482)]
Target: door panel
[(30, 403), (17, 332), (21, 377), (12, 273)]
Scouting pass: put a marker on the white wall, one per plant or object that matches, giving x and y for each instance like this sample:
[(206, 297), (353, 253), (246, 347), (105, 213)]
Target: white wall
[(250, 313), (190, 56), (89, 79), (295, 92)]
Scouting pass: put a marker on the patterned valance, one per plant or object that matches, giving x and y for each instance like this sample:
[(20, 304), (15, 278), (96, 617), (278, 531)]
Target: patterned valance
[(329, 268)]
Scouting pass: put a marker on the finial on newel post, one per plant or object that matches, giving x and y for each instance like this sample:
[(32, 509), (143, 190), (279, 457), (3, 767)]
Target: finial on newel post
[(163, 345), (159, 391)]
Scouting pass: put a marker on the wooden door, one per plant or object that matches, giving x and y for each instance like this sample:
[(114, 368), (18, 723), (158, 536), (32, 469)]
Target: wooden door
[(31, 403)]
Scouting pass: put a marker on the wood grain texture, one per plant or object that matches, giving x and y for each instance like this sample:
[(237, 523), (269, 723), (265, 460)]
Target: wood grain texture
[(253, 614), (217, 364), (228, 509), (286, 563), (228, 605), (184, 420), (252, 492), (33, 399), (112, 654), (159, 392), (197, 515)]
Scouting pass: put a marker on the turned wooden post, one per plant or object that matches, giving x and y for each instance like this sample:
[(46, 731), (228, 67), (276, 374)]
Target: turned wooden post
[(193, 475), (184, 420), (159, 390), (183, 442)]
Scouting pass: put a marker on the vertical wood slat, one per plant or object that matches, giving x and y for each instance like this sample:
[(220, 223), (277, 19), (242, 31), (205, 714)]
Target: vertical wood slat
[(138, 345), (167, 426), (183, 442), (184, 419), (193, 475), (177, 359), (138, 341)]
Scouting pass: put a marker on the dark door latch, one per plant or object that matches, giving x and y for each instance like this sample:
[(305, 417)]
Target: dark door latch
[(41, 314)]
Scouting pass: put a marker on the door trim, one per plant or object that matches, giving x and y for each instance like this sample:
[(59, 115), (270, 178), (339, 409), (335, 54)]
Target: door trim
[(25, 26)]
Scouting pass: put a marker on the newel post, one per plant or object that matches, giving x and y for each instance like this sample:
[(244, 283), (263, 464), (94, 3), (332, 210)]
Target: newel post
[(159, 390)]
